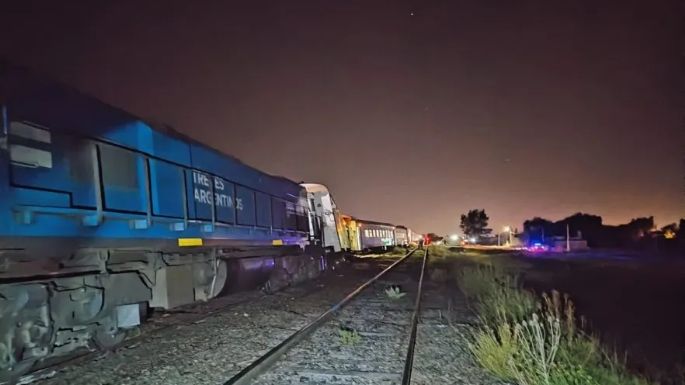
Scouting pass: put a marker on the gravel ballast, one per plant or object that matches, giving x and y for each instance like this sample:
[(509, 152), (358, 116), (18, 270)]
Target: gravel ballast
[(209, 343)]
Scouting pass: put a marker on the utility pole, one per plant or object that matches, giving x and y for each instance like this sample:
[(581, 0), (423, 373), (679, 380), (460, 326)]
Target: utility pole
[(568, 239)]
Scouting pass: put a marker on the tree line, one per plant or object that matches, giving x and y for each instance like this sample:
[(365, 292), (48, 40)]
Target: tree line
[(639, 232)]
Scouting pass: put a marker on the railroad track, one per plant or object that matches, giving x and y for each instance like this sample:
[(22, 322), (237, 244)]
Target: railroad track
[(195, 347), (373, 323)]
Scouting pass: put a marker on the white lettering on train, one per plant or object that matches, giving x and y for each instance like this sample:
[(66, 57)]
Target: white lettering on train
[(199, 178), (203, 194)]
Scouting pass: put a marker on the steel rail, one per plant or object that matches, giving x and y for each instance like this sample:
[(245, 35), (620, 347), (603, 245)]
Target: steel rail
[(409, 362), (263, 363)]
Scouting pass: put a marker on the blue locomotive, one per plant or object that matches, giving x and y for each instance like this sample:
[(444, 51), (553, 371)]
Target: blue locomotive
[(104, 216)]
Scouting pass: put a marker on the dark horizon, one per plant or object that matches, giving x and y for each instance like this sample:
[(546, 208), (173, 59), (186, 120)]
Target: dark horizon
[(410, 112)]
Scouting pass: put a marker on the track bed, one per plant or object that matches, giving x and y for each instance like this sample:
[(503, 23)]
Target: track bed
[(210, 343)]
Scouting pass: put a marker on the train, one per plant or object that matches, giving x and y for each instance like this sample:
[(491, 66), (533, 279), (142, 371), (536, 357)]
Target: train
[(105, 216), (345, 232)]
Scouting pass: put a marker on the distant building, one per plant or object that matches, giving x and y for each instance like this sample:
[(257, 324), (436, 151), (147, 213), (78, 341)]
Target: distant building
[(559, 243)]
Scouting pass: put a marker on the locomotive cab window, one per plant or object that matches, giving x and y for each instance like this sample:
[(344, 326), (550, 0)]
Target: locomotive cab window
[(122, 171)]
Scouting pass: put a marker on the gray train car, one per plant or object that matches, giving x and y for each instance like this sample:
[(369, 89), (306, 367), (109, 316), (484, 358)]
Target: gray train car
[(375, 235), (401, 236), (413, 237)]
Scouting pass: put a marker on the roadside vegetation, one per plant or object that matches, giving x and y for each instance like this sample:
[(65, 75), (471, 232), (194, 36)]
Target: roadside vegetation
[(535, 340)]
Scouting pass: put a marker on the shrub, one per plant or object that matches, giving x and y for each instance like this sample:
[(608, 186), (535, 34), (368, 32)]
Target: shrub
[(523, 352), (536, 343), (349, 336), (494, 349)]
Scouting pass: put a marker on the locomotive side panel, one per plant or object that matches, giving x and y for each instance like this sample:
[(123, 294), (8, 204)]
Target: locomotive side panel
[(72, 156)]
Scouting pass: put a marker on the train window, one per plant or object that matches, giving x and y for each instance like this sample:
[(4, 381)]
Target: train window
[(245, 206), (263, 209), (30, 131), (119, 167), (302, 219), (31, 146), (278, 213), (122, 179), (79, 160), (290, 216)]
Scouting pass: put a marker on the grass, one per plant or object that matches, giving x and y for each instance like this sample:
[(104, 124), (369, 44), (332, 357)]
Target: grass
[(478, 282), (349, 336), (394, 293), (502, 260), (397, 250), (498, 297), (533, 340), (440, 252)]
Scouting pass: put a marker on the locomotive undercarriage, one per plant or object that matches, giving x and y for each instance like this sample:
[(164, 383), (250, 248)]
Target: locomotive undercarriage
[(91, 299)]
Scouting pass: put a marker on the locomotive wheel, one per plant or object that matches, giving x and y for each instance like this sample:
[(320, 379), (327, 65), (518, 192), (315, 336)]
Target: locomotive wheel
[(108, 340), (220, 279)]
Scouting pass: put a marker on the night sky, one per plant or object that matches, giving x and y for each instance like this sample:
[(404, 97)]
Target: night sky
[(411, 112)]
